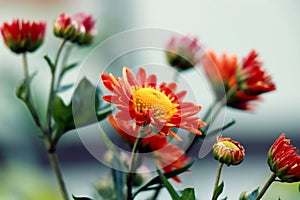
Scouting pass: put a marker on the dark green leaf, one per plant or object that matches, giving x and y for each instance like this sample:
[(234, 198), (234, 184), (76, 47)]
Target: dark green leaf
[(188, 194), (50, 63), (218, 191), (69, 67), (62, 113), (168, 186), (225, 198), (23, 89), (118, 178), (85, 103), (299, 187), (81, 198), (157, 179), (64, 88)]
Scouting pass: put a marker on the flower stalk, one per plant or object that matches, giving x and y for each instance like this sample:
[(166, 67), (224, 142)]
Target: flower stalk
[(218, 176), (55, 165), (266, 186), (132, 165), (51, 92)]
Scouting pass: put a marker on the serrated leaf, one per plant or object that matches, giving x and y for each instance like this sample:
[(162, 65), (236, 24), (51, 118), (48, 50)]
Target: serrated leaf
[(168, 186), (188, 194), (81, 198), (64, 88), (218, 191)]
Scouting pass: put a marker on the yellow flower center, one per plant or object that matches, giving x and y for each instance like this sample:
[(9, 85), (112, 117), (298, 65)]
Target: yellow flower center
[(230, 145), (158, 102)]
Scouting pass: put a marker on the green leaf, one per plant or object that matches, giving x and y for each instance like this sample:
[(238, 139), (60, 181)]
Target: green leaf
[(248, 195), (81, 198), (168, 175), (69, 67), (23, 89), (188, 194), (50, 63), (299, 187), (218, 191), (86, 102), (62, 113), (253, 195), (168, 186)]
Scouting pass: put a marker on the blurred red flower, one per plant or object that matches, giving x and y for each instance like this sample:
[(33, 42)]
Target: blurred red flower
[(21, 36), (184, 52), (245, 81)]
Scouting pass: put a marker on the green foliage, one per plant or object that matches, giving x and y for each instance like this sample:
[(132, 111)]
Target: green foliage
[(23, 89), (187, 194), (218, 191), (82, 111), (248, 195), (157, 180), (50, 63)]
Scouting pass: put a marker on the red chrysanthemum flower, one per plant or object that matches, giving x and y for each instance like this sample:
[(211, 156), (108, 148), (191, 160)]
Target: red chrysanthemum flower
[(166, 155), (184, 52), (247, 79), (66, 27), (284, 160), (23, 36), (141, 99), (87, 27), (228, 151)]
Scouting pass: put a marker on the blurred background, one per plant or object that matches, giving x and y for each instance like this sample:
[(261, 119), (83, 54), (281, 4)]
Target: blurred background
[(235, 27)]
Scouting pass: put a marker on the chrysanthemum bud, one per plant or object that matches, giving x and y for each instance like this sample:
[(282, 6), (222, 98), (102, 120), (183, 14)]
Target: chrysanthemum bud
[(228, 151), (65, 27), (284, 160), (23, 36), (184, 52), (87, 30)]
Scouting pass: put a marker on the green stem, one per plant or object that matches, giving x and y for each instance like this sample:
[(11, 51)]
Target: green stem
[(55, 165), (217, 179), (51, 92), (25, 65), (156, 193), (30, 103), (132, 167), (64, 62), (266, 186)]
